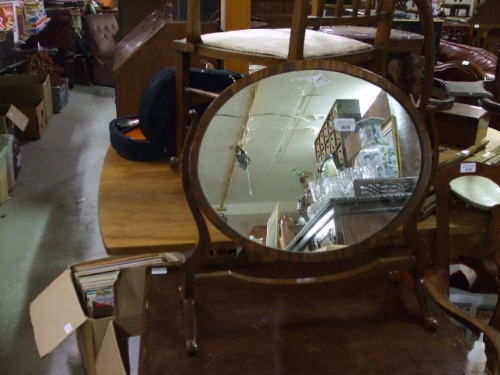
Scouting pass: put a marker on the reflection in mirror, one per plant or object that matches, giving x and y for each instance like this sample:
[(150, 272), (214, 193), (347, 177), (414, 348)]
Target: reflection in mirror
[(309, 161)]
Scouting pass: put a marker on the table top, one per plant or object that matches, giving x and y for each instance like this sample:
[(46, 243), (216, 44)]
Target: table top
[(142, 209), (370, 327)]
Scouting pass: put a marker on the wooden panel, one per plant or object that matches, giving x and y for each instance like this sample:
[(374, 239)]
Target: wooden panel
[(132, 12), (267, 7), (277, 13), (133, 75)]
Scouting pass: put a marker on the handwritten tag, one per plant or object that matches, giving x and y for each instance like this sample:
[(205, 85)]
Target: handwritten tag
[(344, 124), (467, 167), (320, 80)]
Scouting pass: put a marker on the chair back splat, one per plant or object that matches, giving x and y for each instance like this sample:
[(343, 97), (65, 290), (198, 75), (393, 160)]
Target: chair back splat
[(486, 257)]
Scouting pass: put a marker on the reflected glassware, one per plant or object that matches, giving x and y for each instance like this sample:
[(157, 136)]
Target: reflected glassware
[(375, 151), (323, 189)]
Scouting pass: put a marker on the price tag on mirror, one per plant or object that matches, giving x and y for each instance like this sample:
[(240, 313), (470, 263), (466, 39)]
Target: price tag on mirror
[(467, 167), (344, 124)]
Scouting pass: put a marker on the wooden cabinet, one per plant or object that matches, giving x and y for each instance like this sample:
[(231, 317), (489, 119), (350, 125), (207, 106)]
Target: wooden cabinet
[(149, 49)]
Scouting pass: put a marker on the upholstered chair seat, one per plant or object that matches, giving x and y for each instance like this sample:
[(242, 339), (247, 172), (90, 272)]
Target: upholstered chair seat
[(317, 44)]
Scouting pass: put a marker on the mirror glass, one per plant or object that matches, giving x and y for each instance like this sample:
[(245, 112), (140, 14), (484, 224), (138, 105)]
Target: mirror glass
[(309, 160)]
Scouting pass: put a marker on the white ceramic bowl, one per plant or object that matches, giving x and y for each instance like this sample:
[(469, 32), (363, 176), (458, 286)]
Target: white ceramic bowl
[(478, 191)]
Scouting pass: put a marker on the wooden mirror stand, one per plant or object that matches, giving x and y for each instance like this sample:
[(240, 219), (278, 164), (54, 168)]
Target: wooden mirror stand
[(283, 269)]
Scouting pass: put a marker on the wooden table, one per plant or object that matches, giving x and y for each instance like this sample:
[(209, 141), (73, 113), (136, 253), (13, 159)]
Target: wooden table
[(142, 209), (455, 8), (364, 328), (482, 36)]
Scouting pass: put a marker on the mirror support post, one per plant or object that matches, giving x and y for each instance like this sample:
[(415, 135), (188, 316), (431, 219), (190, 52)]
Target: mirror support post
[(194, 263)]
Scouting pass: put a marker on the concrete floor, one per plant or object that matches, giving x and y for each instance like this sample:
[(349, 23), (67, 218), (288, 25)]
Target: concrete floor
[(49, 222)]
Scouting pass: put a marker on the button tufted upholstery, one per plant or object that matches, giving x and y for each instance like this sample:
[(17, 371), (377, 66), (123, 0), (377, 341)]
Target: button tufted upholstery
[(449, 51), (102, 34)]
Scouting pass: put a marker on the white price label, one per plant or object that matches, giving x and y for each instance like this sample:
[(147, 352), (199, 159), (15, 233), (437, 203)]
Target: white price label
[(68, 328), (467, 167), (159, 270), (344, 124), (489, 202)]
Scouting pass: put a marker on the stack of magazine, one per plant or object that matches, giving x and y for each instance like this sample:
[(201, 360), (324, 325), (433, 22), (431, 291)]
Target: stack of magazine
[(96, 280), (97, 290)]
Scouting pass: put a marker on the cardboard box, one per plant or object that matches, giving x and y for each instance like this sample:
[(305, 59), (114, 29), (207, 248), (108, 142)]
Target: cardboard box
[(7, 142), (60, 96), (13, 121), (35, 112), (24, 89), (57, 312), (461, 126), (480, 305), (35, 17), (11, 118)]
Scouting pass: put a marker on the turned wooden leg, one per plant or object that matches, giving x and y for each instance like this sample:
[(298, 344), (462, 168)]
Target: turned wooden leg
[(406, 278), (190, 332)]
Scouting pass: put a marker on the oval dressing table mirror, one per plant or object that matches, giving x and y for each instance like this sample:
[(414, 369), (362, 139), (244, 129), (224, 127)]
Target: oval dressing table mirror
[(303, 164)]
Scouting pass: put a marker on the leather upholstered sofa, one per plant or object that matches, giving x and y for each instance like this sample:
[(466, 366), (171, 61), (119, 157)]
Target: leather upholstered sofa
[(450, 51)]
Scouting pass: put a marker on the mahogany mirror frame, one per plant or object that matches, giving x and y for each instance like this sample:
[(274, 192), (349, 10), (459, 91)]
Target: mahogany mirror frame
[(202, 208)]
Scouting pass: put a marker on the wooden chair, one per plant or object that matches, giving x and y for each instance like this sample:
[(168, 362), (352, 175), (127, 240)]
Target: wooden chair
[(469, 71), (103, 35), (458, 32), (455, 7), (462, 80), (437, 277), (410, 68), (271, 46)]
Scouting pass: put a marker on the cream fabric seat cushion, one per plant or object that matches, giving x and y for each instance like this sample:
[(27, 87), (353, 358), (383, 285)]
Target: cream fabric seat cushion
[(274, 42), (365, 32)]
